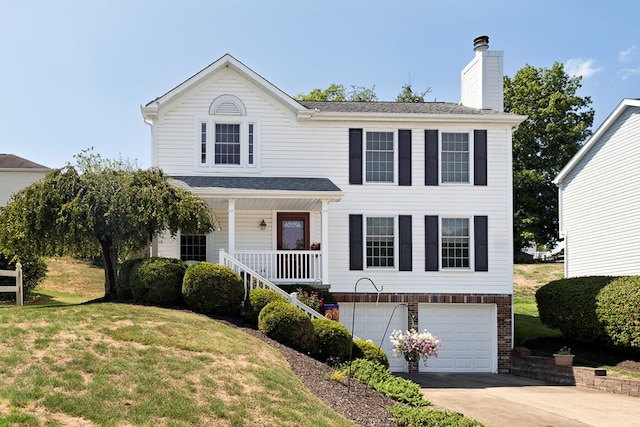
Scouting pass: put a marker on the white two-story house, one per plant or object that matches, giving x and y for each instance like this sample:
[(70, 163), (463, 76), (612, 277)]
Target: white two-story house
[(403, 210)]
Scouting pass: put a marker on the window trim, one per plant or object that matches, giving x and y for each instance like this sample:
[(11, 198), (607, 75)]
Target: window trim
[(471, 237), (396, 254), (394, 132), (244, 122), (471, 156)]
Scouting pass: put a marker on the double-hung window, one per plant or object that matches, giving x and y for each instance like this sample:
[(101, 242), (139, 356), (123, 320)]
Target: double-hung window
[(380, 242), (455, 157), (455, 243), (227, 144), (379, 157)]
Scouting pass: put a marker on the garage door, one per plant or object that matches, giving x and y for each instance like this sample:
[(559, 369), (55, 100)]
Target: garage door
[(370, 323), (468, 337)]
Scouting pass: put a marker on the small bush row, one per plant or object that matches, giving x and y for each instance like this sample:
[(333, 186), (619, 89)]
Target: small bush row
[(593, 309), (412, 410), (204, 287)]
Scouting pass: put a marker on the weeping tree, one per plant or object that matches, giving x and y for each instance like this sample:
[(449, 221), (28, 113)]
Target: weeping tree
[(98, 206)]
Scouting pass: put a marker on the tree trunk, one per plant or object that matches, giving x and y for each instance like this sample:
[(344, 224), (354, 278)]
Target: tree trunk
[(110, 262)]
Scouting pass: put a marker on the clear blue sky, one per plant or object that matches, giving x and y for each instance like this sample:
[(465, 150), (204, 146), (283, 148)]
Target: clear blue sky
[(74, 73)]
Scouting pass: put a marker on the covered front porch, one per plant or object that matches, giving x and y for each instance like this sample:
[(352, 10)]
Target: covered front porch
[(276, 226)]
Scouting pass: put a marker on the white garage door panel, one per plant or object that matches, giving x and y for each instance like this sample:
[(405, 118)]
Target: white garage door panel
[(370, 323), (468, 336)]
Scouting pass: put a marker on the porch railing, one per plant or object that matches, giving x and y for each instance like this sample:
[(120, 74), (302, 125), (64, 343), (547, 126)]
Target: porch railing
[(253, 279), (284, 266)]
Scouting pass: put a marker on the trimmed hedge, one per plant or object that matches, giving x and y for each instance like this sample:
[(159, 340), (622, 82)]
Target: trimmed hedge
[(157, 281), (212, 289), (258, 299), (288, 325), (333, 341), (367, 350), (618, 309), (593, 309)]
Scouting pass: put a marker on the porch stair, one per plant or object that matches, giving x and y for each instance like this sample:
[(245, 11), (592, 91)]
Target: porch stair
[(252, 280)]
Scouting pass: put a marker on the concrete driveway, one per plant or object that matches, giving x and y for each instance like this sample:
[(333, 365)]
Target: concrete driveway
[(499, 400)]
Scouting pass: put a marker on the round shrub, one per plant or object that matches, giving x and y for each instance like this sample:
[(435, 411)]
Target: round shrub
[(367, 350), (123, 282), (570, 306), (258, 299), (333, 340), (158, 281), (288, 325), (212, 289), (617, 310), (34, 270)]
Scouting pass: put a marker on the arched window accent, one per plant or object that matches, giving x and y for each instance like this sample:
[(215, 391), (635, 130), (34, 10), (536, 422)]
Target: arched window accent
[(229, 105)]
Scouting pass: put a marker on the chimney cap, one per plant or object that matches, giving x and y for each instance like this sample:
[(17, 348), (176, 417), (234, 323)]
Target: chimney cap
[(481, 43)]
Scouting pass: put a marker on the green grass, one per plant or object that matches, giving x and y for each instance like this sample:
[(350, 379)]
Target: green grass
[(527, 279), (115, 364)]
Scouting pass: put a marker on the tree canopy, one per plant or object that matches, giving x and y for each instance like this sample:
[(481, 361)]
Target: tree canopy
[(558, 123), (408, 95), (98, 206), (337, 92)]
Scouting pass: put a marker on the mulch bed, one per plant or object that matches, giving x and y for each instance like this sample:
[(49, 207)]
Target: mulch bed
[(356, 401)]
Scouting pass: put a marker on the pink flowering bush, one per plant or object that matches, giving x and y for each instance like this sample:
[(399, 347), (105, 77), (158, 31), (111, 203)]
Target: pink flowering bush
[(414, 346)]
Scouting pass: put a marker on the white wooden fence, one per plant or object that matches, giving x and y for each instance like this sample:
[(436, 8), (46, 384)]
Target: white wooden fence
[(17, 288)]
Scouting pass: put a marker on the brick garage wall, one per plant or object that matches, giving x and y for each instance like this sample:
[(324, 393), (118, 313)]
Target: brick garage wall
[(503, 303)]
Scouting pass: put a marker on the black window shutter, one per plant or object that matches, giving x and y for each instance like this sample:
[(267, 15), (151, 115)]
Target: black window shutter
[(404, 239), (431, 243), (430, 157), (355, 156), (355, 242), (480, 157), (404, 157), (481, 242)]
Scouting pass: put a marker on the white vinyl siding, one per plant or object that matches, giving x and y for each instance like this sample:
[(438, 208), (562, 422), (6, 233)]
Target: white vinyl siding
[(602, 238), (321, 150)]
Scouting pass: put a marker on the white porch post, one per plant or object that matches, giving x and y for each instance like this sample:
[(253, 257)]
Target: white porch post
[(231, 210), (324, 247)]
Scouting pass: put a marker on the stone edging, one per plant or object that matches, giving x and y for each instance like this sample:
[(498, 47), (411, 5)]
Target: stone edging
[(545, 369)]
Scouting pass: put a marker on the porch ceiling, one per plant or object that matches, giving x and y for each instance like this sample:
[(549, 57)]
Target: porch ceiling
[(262, 193)]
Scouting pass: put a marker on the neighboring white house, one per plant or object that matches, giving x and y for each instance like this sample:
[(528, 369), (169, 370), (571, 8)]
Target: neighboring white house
[(16, 173), (599, 198), (414, 198)]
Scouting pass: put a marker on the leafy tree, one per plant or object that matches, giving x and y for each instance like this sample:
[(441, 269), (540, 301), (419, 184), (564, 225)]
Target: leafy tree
[(363, 94), (98, 206), (337, 92), (558, 123), (408, 95)]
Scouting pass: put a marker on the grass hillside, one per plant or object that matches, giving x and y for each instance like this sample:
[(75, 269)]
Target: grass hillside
[(119, 364), (527, 278)]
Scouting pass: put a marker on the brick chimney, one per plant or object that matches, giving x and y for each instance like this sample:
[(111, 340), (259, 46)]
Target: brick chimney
[(482, 85)]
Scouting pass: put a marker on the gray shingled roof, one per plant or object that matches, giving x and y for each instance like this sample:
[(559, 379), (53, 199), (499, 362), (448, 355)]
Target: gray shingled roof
[(259, 183), (395, 107), (11, 161)]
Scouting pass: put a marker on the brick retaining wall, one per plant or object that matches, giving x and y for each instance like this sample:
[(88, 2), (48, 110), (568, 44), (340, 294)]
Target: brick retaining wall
[(545, 369)]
